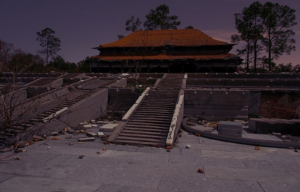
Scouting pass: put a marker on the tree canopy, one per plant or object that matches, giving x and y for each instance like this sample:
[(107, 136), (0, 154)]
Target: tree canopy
[(277, 35), (160, 19), (157, 19), (49, 43), (264, 27), (133, 24)]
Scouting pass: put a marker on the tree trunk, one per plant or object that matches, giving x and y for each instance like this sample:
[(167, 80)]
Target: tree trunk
[(248, 53), (47, 55), (255, 55), (269, 49)]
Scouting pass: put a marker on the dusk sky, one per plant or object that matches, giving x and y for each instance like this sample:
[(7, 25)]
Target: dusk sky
[(83, 24)]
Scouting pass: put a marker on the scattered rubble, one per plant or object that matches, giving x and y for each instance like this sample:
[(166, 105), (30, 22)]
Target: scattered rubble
[(200, 171), (82, 156), (61, 132), (286, 136), (88, 126), (91, 134), (87, 139), (54, 134), (37, 138), (108, 127), (16, 158), (105, 142), (20, 150), (276, 134), (21, 144)]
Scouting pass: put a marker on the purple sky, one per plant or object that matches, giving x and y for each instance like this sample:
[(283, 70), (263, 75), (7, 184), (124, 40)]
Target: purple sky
[(82, 24)]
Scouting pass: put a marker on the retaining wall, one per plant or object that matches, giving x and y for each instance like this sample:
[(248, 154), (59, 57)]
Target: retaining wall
[(216, 104)]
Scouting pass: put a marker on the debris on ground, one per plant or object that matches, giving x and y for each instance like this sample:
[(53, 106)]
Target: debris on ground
[(200, 171), (16, 158), (20, 150), (61, 132), (55, 138), (69, 130), (71, 144), (257, 148), (21, 144), (82, 156), (286, 136), (98, 152), (83, 131), (37, 138), (93, 121), (54, 134), (104, 137), (105, 142), (108, 127), (83, 123), (276, 134), (188, 146), (87, 139), (27, 143), (91, 134), (88, 126), (104, 149), (213, 124)]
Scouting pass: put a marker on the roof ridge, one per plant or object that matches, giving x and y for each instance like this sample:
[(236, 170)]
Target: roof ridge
[(156, 38)]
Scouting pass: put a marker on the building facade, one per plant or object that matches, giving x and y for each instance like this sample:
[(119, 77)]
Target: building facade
[(168, 51)]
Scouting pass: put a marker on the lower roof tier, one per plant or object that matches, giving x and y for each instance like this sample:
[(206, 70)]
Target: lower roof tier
[(227, 56)]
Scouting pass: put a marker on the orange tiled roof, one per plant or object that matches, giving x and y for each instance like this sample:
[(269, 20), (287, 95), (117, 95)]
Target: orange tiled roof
[(164, 57), (180, 37)]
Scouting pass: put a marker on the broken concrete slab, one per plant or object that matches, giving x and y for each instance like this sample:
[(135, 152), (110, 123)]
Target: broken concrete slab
[(86, 139), (87, 126), (108, 127), (54, 133), (91, 134)]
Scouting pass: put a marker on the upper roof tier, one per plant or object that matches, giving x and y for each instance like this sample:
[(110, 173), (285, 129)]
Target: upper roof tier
[(179, 37)]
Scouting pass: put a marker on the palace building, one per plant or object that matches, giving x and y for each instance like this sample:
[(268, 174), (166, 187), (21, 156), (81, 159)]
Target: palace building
[(168, 51)]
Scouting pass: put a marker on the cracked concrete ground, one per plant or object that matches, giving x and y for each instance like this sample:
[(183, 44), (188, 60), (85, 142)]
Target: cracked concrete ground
[(54, 165)]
